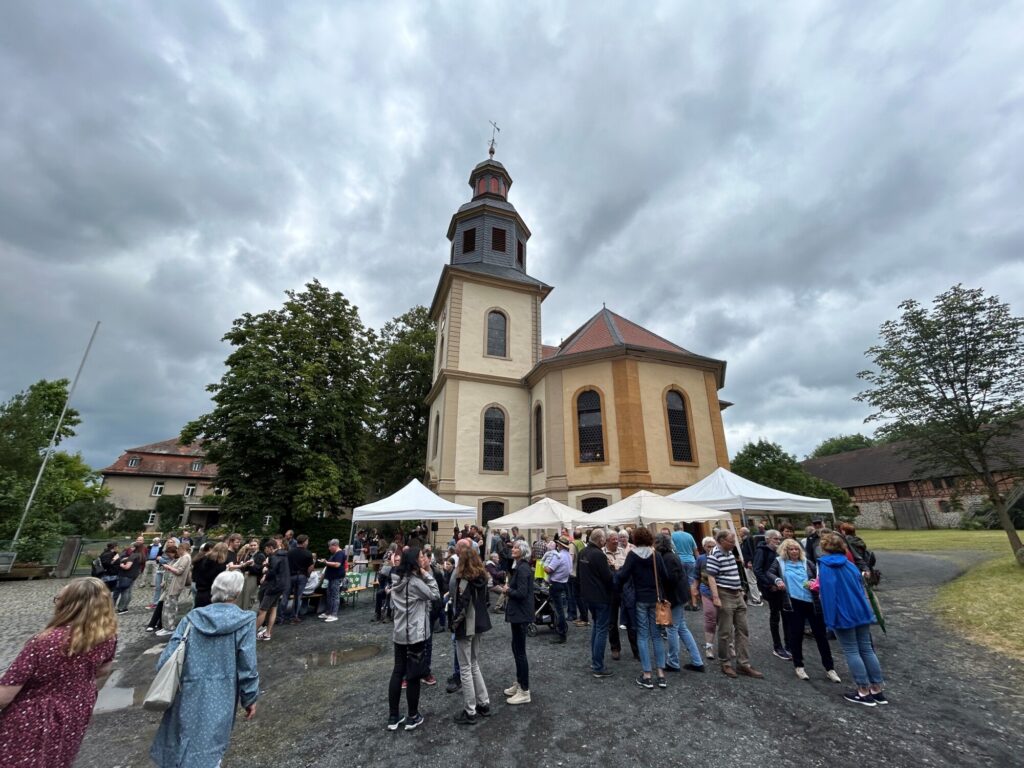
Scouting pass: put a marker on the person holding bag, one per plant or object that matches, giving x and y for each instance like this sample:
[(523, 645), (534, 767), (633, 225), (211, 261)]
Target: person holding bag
[(413, 589), (469, 623), (646, 569), (677, 590)]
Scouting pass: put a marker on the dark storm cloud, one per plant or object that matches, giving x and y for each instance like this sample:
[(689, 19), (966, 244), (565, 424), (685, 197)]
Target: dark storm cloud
[(762, 186)]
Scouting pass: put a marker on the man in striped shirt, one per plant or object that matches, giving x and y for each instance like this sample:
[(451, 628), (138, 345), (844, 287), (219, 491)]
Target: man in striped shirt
[(727, 594)]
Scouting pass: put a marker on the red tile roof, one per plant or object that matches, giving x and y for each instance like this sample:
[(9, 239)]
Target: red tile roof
[(172, 447), (164, 459), (607, 330), (547, 351)]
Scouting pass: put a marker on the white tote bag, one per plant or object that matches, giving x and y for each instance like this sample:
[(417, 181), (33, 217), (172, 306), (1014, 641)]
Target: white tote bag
[(165, 685)]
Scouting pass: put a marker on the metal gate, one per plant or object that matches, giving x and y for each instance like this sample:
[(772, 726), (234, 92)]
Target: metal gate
[(910, 514)]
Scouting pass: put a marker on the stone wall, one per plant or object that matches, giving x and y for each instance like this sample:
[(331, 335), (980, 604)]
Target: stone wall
[(879, 514)]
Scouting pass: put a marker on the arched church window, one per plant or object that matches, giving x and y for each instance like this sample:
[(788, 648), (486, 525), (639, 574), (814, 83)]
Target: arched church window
[(590, 431), (538, 437), (678, 427), (437, 434), (593, 503), (497, 334), (492, 510), (494, 440)]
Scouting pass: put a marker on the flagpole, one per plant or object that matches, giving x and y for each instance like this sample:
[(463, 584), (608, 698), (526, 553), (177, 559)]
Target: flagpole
[(53, 439)]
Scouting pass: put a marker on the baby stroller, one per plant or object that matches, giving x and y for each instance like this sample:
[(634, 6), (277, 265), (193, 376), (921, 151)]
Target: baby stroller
[(543, 610)]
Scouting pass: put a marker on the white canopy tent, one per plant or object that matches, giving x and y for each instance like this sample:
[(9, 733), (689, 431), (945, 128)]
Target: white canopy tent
[(645, 508), (543, 514), (724, 490), (414, 502)]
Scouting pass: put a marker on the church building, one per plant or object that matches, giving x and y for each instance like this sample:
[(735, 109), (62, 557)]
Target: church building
[(612, 410)]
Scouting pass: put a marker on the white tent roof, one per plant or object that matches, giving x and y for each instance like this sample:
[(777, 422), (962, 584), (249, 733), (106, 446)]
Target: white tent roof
[(546, 513), (724, 490), (414, 502), (644, 507)]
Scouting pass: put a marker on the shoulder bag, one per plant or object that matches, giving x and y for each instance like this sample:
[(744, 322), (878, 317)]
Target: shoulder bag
[(164, 688), (662, 608)]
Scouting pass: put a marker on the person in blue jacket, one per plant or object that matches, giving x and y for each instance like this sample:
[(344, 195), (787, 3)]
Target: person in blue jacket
[(847, 612)]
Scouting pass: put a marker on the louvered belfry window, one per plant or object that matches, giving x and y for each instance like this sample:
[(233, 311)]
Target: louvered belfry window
[(498, 239), (591, 437), (494, 440), (678, 428), (469, 240), (496, 333)]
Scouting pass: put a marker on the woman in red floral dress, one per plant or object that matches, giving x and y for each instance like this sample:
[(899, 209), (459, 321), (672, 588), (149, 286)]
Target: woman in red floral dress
[(47, 694)]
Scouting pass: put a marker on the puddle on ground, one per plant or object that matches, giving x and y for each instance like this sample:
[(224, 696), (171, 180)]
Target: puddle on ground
[(340, 656)]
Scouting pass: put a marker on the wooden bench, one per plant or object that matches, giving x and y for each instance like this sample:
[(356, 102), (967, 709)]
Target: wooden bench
[(354, 584)]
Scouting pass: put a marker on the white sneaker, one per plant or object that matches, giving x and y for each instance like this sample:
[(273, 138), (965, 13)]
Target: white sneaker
[(521, 697), (322, 615), (709, 651), (513, 690), (801, 673), (331, 618), (832, 675), (163, 632)]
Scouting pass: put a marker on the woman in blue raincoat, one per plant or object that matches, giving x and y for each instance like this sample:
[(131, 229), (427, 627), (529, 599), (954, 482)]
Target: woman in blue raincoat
[(219, 674)]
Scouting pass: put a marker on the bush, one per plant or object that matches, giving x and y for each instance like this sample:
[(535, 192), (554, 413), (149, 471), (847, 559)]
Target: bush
[(39, 536), (131, 522)]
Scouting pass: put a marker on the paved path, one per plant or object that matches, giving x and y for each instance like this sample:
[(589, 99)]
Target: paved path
[(954, 704)]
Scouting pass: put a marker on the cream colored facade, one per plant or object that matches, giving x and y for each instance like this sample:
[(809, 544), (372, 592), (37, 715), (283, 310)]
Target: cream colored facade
[(630, 368)]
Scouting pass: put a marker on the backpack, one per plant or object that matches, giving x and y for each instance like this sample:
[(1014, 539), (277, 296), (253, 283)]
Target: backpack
[(98, 569)]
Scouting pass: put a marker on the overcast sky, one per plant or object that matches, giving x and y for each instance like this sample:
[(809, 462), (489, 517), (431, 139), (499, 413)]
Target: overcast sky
[(762, 184)]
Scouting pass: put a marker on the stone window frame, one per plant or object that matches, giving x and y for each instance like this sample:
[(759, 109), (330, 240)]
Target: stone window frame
[(491, 500), (607, 497), (508, 333), (687, 408), (505, 462), (576, 426)]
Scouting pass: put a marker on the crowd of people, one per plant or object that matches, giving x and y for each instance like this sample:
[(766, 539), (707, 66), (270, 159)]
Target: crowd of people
[(605, 580)]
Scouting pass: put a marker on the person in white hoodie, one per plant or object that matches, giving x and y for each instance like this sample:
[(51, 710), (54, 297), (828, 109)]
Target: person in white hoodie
[(412, 589)]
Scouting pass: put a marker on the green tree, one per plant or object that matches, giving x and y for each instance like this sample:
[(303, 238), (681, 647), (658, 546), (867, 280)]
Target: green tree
[(402, 373), (768, 464), (288, 428), (948, 381), (841, 444), (170, 508), (88, 516)]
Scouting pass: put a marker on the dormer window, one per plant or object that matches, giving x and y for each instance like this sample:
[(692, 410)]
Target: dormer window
[(197, 465), (498, 239), (469, 240), (134, 461)]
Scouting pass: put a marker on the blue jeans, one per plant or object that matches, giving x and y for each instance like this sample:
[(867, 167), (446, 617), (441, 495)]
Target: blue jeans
[(690, 569), (298, 585), (333, 593), (646, 635), (123, 594), (679, 631), (860, 655), (601, 613), (158, 581), (560, 604)]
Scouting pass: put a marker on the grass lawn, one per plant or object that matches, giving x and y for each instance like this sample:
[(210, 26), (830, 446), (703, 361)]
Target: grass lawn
[(985, 603)]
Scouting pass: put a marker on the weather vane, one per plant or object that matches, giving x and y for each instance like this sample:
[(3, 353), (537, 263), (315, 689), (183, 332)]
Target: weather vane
[(494, 130)]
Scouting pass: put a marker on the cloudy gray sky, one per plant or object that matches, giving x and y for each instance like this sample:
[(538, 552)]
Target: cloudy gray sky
[(760, 182)]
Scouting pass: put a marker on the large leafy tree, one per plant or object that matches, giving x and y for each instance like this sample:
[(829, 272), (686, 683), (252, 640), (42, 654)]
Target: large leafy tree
[(841, 444), (948, 381), (288, 428), (402, 373), (767, 463)]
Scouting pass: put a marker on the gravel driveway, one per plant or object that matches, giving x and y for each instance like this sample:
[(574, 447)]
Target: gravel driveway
[(325, 689)]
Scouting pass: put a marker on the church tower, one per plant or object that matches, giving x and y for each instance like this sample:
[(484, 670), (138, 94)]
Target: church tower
[(487, 311)]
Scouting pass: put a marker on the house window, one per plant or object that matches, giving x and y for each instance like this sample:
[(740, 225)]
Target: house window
[(134, 461), (520, 253), (190, 490), (197, 465), (678, 429), (469, 240), (593, 503), (590, 432), (498, 239), (151, 520), (538, 438), (494, 440), (437, 431), (492, 510), (158, 488), (497, 328)]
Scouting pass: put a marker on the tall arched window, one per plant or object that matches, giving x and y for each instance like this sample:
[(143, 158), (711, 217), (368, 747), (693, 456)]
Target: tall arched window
[(538, 438), (678, 428), (591, 435), (497, 333), (494, 440), (437, 433)]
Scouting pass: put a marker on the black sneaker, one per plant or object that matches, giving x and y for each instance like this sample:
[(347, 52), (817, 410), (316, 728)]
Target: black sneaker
[(395, 722), (414, 722), (453, 684), (856, 698), (662, 682), (669, 668), (783, 654), (602, 673), (694, 667), (464, 718), (645, 682), (879, 698), (483, 710)]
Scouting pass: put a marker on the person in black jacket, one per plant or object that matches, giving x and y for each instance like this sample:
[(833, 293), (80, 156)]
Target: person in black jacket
[(519, 614), (764, 556), (646, 569), (469, 590), (276, 580), (596, 587), (677, 591)]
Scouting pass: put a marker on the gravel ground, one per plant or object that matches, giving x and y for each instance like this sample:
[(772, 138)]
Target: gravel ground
[(324, 698)]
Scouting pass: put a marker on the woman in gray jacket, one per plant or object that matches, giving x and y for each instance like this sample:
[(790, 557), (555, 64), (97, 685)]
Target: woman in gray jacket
[(412, 589)]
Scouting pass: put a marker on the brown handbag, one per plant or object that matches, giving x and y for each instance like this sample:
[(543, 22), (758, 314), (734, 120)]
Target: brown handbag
[(662, 608)]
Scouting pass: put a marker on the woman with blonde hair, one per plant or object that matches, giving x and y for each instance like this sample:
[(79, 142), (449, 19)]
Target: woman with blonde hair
[(796, 577), (47, 694)]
